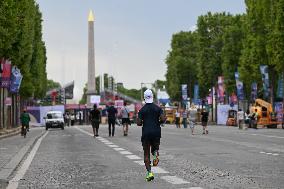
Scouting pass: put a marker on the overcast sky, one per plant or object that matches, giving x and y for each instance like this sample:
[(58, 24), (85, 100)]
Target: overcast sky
[(132, 37)]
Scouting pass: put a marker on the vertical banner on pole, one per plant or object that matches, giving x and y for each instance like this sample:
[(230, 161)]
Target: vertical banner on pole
[(221, 89), (184, 93), (253, 91), (280, 88), (240, 87), (196, 94), (6, 74), (265, 79)]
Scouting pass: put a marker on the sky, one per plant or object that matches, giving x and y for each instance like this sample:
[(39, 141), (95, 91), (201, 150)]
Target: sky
[(132, 37)]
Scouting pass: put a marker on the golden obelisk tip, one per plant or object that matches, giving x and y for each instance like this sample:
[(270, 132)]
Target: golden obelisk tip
[(91, 16)]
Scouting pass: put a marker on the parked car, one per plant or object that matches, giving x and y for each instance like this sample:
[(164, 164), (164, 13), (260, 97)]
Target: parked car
[(54, 119)]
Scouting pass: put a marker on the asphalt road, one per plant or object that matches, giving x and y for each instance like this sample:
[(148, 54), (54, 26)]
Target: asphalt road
[(226, 158)]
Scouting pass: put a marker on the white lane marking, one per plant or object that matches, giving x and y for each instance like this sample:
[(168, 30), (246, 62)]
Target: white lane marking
[(13, 184), (262, 152), (275, 154), (125, 152), (268, 153), (83, 131), (174, 180), (140, 162), (133, 157), (268, 136), (108, 143), (158, 170), (113, 146), (195, 188), (3, 148), (119, 149)]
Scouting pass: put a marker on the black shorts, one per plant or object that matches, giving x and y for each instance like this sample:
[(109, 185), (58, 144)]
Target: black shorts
[(125, 121), (151, 141), (95, 123)]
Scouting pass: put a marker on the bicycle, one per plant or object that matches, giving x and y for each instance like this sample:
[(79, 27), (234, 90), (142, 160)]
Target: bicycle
[(24, 131)]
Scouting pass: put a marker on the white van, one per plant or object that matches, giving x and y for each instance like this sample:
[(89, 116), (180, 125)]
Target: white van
[(54, 119)]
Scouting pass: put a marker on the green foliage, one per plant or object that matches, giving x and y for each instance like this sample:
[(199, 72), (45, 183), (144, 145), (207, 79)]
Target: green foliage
[(181, 63), (52, 85), (21, 42)]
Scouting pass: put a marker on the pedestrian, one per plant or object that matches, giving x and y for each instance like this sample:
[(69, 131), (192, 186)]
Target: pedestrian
[(177, 118), (112, 114), (254, 118), (68, 119), (125, 119), (247, 118), (184, 118), (25, 121), (72, 118), (192, 120), (95, 117), (150, 118), (204, 120), (240, 118)]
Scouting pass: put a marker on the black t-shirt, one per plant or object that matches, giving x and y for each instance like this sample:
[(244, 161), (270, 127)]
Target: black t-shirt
[(150, 115), (95, 114), (112, 111), (204, 116)]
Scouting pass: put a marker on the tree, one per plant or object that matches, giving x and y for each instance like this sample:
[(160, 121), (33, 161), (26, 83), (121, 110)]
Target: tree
[(52, 85)]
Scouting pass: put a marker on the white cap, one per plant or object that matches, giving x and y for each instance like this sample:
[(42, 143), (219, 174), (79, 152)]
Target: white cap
[(148, 96)]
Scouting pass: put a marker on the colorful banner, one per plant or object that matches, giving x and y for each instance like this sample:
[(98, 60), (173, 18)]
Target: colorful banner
[(240, 87), (280, 87), (253, 91), (221, 89), (184, 92), (6, 74), (265, 79), (279, 110), (196, 94), (16, 79)]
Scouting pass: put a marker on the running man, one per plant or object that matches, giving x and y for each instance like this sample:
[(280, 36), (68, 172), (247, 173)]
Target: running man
[(125, 119), (95, 120), (150, 117), (112, 113)]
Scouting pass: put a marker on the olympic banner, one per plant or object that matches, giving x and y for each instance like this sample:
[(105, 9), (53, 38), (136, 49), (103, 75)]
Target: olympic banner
[(280, 89), (196, 94), (253, 91), (6, 73), (16, 79), (221, 89), (265, 79), (240, 87), (184, 92)]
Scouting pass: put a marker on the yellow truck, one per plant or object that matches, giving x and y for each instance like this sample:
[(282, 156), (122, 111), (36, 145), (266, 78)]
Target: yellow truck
[(266, 116)]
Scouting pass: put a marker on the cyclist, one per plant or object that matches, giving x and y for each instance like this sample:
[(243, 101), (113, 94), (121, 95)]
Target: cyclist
[(25, 120)]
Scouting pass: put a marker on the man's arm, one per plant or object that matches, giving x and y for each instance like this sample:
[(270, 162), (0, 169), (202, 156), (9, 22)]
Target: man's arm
[(139, 119)]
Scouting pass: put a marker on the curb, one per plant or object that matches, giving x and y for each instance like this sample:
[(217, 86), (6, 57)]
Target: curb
[(10, 133), (13, 164)]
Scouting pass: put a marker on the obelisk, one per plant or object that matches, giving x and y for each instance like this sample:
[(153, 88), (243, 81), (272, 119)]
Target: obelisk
[(91, 86)]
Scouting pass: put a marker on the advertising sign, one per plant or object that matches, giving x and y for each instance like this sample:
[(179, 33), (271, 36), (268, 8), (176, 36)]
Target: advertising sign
[(222, 113), (95, 99), (279, 110), (265, 79)]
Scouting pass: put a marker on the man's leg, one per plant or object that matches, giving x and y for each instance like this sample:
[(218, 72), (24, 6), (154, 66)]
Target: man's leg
[(146, 148), (97, 129), (109, 127), (113, 127), (155, 145)]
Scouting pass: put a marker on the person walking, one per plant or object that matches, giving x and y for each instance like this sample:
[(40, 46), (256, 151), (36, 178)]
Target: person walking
[(112, 113), (25, 121), (192, 120), (177, 118), (254, 118), (184, 118), (95, 120), (204, 120), (150, 118), (247, 119), (125, 119), (240, 116)]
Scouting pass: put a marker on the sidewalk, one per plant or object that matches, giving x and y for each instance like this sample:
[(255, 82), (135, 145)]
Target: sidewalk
[(13, 149), (9, 132)]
